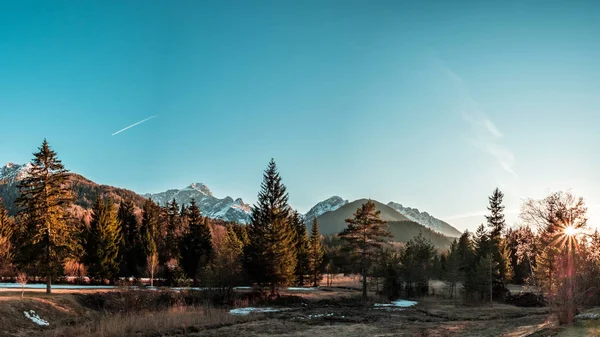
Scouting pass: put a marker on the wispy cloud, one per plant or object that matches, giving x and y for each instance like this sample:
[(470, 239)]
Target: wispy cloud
[(484, 135), (134, 124)]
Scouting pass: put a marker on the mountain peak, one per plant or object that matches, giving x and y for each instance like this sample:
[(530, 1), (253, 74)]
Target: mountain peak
[(327, 205), (12, 172), (200, 187)]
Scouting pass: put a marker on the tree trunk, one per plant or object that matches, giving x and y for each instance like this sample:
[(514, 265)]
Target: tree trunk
[(48, 283), (364, 285)]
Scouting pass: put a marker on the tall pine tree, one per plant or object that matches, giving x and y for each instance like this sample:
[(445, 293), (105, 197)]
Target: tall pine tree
[(149, 231), (270, 255), (196, 247), (302, 249), (5, 240), (46, 239), (365, 236), (131, 251), (502, 272), (315, 255), (103, 241)]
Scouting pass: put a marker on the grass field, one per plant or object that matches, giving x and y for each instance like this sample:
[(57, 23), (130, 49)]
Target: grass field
[(329, 311)]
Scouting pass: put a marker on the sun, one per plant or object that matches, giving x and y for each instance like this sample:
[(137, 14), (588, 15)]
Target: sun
[(570, 230)]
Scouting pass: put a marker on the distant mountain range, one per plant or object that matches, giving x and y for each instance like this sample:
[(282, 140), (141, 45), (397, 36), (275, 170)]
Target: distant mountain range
[(330, 213)]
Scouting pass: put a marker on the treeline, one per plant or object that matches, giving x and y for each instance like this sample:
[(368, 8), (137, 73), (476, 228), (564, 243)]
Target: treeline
[(172, 244)]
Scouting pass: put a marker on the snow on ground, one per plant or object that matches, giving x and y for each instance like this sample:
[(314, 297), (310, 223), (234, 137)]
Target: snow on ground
[(397, 304), (35, 318), (54, 286), (249, 310)]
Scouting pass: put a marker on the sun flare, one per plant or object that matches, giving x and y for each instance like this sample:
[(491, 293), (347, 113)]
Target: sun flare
[(570, 230)]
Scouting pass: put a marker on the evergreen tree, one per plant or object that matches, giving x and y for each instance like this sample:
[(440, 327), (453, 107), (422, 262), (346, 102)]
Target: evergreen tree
[(196, 246), (502, 272), (149, 230), (270, 256), (227, 264), (302, 249), (131, 251), (46, 239), (315, 256), (175, 229), (102, 241), (365, 236), (467, 260), (451, 268), (5, 240), (417, 259)]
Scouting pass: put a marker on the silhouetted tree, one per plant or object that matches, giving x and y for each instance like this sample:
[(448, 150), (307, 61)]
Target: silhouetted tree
[(365, 236)]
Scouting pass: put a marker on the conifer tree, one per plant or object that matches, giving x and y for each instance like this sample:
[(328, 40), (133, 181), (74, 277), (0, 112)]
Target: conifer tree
[(451, 268), (302, 249), (149, 230), (502, 272), (196, 246), (5, 239), (418, 261), (270, 255), (46, 239), (315, 256), (102, 241), (467, 260), (174, 230), (365, 236), (227, 264), (131, 251)]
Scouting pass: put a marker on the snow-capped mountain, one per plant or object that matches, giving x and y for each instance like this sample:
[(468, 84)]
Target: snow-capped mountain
[(425, 219), (12, 172), (225, 209), (324, 206)]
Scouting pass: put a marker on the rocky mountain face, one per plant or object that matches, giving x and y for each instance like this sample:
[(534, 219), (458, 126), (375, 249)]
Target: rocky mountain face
[(426, 220), (86, 192), (11, 172), (323, 207), (225, 209)]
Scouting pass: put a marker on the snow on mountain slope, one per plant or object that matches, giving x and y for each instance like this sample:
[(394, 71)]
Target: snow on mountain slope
[(11, 172), (225, 209), (425, 219), (324, 206)]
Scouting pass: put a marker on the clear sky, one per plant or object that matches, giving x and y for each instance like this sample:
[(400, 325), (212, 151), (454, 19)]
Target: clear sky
[(429, 104)]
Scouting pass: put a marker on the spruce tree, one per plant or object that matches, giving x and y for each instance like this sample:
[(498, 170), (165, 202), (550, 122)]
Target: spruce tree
[(149, 230), (270, 254), (46, 239), (132, 251), (365, 236), (502, 272), (467, 260), (451, 268), (5, 240), (418, 261), (174, 230), (315, 255), (302, 249), (102, 241), (196, 245)]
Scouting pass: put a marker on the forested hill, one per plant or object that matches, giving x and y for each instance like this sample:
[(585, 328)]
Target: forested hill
[(85, 190)]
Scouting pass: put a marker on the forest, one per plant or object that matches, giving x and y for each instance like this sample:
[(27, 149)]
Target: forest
[(554, 251)]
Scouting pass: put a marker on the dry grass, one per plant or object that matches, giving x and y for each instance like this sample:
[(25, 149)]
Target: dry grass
[(179, 320)]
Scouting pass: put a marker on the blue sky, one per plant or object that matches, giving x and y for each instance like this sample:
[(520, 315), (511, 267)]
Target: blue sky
[(429, 104)]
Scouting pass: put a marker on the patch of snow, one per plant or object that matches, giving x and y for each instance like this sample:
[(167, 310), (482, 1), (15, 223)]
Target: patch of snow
[(587, 316), (301, 289), (397, 304), (54, 286), (35, 318), (249, 310)]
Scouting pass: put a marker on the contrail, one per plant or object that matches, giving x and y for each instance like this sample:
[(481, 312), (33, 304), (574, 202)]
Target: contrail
[(134, 124)]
